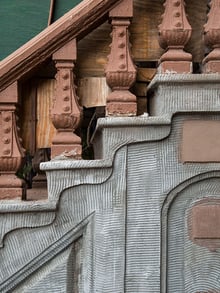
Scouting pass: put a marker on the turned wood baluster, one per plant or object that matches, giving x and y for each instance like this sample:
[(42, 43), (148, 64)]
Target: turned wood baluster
[(174, 33), (66, 112), (211, 63), (11, 152), (120, 70)]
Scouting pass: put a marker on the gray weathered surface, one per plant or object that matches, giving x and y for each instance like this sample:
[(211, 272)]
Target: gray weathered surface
[(120, 223)]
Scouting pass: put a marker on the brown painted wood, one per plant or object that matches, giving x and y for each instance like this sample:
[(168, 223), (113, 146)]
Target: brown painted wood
[(73, 24), (144, 38)]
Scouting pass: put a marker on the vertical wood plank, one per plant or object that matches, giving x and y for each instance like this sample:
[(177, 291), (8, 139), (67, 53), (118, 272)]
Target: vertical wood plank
[(44, 127), (28, 118)]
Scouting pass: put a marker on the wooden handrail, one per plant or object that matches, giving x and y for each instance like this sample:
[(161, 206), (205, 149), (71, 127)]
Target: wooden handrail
[(74, 24)]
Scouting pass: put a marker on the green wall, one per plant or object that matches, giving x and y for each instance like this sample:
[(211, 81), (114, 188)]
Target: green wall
[(21, 20)]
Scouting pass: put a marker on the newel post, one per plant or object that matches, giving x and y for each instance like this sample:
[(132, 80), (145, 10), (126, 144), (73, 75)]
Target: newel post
[(211, 63), (11, 151), (174, 33), (66, 112), (120, 71)]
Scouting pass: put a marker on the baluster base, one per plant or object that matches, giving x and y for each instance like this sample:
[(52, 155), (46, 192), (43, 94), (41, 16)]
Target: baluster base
[(121, 103), (66, 145), (211, 64), (175, 67), (12, 187)]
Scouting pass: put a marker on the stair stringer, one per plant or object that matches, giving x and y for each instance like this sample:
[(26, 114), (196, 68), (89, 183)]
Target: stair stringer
[(95, 211)]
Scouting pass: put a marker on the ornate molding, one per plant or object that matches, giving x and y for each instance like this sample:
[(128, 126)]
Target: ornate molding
[(11, 151), (120, 71), (174, 33), (66, 112), (212, 38)]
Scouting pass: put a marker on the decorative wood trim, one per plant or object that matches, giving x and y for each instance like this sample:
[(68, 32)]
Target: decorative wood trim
[(121, 71), (66, 112), (174, 33), (11, 152), (74, 24)]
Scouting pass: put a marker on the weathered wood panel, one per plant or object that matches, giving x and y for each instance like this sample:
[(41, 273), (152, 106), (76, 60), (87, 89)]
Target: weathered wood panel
[(93, 51), (37, 129), (28, 117), (144, 29), (94, 48), (44, 127), (93, 91)]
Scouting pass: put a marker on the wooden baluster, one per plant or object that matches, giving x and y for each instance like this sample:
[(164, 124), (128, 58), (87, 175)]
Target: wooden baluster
[(11, 152), (211, 63), (66, 112), (120, 71), (174, 33)]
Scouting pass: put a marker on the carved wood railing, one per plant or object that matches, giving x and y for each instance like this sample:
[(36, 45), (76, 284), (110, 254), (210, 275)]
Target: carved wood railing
[(59, 42), (175, 32), (66, 112), (120, 71), (11, 151)]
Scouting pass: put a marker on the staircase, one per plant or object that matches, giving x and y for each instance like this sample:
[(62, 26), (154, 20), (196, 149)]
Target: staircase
[(143, 216)]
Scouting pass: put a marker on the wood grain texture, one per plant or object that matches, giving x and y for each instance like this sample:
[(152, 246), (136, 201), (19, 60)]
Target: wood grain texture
[(93, 50), (93, 91), (143, 37), (45, 130), (144, 29), (37, 129), (28, 117)]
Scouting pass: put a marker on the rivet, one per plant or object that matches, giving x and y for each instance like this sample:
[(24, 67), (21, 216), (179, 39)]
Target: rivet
[(66, 98), (121, 33), (66, 87), (66, 108), (6, 151), (178, 24), (7, 129), (122, 56), (176, 3), (177, 14), (65, 75), (121, 45), (6, 140), (7, 118), (122, 66)]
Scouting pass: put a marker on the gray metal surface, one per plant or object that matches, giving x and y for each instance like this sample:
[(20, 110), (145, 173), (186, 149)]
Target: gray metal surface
[(119, 223)]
